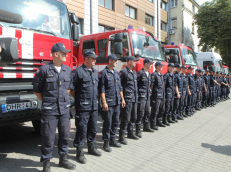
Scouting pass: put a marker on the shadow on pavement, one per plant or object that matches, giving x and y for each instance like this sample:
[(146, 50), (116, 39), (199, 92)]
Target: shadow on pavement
[(226, 150)]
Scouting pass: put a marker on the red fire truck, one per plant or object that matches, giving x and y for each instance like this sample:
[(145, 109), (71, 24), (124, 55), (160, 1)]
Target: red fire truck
[(185, 55), (28, 34)]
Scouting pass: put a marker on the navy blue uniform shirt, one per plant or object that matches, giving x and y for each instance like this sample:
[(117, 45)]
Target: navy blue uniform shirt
[(144, 84), (129, 84), (191, 83), (169, 85), (109, 83), (179, 82), (54, 87), (85, 85), (158, 85)]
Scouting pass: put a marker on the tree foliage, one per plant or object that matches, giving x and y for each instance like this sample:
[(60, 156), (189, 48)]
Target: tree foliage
[(214, 27)]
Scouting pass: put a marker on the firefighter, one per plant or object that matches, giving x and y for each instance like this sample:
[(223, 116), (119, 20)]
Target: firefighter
[(228, 87), (199, 87), (212, 90), (186, 92), (52, 84), (143, 110), (169, 94), (224, 84), (191, 82), (206, 94), (129, 113), (85, 91), (219, 80), (111, 93), (178, 93), (157, 97), (203, 88)]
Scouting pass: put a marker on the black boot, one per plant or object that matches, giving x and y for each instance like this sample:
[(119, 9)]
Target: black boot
[(131, 135), (138, 131), (159, 123), (147, 128), (180, 117), (63, 162), (154, 126), (92, 150), (80, 155), (169, 118), (46, 166), (184, 115), (114, 143), (122, 139), (165, 121), (106, 146)]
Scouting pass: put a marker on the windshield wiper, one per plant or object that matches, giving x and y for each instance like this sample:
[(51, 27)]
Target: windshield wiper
[(27, 28)]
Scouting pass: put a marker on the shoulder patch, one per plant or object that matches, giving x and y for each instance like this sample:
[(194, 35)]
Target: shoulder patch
[(165, 76), (37, 71), (120, 73)]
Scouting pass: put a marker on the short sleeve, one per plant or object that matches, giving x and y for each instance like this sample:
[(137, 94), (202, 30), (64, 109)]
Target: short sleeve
[(38, 81), (176, 81), (152, 79), (101, 82), (74, 78)]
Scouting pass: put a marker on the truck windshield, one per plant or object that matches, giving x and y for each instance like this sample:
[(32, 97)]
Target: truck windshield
[(218, 65), (189, 57), (48, 16), (145, 47)]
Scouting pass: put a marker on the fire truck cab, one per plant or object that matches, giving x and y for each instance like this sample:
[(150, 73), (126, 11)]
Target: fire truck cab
[(184, 55)]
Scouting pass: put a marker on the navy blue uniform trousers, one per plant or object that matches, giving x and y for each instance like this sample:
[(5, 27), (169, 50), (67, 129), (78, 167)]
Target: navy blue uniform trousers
[(86, 125), (111, 122), (143, 112), (49, 123)]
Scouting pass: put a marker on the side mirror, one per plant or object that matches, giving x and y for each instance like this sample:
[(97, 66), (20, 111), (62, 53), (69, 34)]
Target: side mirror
[(168, 51), (75, 32), (118, 37), (9, 50), (174, 59), (118, 48), (8, 17), (74, 18)]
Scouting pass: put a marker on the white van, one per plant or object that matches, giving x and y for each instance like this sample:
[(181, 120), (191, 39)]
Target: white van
[(210, 60)]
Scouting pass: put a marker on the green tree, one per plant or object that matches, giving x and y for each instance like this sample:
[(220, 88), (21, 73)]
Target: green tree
[(214, 27)]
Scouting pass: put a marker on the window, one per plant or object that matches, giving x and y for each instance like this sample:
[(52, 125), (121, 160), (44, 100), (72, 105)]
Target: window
[(174, 3), (102, 28), (102, 47), (164, 26), (81, 26), (193, 8), (163, 5), (151, 1), (174, 23), (88, 45), (149, 19), (130, 12), (193, 28), (106, 3)]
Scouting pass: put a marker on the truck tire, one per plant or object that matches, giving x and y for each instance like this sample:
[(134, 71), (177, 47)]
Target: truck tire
[(37, 125)]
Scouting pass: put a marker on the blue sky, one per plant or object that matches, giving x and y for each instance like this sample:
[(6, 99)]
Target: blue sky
[(202, 1)]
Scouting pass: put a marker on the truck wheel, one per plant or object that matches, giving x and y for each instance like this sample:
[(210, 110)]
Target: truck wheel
[(37, 125)]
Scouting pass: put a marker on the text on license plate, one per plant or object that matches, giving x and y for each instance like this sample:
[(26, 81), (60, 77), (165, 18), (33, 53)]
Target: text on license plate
[(19, 106)]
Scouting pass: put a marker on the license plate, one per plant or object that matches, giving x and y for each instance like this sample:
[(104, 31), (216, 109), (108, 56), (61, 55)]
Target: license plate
[(19, 106)]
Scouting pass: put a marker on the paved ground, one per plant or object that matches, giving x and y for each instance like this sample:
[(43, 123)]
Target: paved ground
[(200, 143)]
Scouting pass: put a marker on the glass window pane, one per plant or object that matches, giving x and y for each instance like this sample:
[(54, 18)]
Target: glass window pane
[(102, 48), (109, 4), (100, 28), (127, 11), (132, 13), (101, 3)]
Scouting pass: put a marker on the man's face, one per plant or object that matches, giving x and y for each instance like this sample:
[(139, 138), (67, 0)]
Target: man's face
[(170, 69), (90, 61), (159, 68), (184, 70), (178, 69), (206, 72), (148, 65), (190, 71), (60, 56), (197, 73), (132, 63), (113, 62)]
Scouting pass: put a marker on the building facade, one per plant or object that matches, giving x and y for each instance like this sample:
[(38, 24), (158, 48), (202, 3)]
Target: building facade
[(182, 29), (104, 15)]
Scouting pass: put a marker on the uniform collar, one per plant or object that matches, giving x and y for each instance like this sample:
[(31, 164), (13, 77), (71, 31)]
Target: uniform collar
[(109, 70), (86, 69), (52, 66), (158, 73), (129, 70), (144, 70)]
